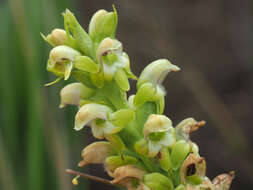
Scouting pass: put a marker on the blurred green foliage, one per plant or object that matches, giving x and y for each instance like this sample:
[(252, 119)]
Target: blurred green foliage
[(35, 137)]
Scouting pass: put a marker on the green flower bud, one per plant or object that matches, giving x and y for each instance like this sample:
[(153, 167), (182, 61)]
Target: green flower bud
[(141, 147), (113, 162), (83, 40), (86, 64), (156, 72), (158, 131), (164, 159), (96, 153), (186, 127), (126, 175), (73, 93), (157, 181), (103, 24), (56, 38), (61, 60), (223, 181), (194, 179), (179, 152), (122, 79)]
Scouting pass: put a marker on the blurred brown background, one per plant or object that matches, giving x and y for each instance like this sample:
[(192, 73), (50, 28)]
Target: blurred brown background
[(210, 40)]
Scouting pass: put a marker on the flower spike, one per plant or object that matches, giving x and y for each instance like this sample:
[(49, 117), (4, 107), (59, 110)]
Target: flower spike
[(141, 148)]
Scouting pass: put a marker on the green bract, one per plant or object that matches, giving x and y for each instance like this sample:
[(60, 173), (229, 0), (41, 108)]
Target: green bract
[(142, 150)]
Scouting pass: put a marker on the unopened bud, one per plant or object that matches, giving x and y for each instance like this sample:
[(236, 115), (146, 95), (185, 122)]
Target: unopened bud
[(103, 24), (73, 93), (179, 152), (56, 38), (164, 159), (96, 153)]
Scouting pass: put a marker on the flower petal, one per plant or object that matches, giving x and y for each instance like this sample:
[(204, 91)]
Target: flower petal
[(169, 139), (102, 129), (153, 148)]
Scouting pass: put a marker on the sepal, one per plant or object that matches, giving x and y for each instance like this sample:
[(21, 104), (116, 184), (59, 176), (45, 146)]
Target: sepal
[(178, 153), (83, 40)]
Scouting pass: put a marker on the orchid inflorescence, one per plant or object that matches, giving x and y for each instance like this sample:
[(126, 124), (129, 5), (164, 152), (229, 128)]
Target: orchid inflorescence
[(139, 148)]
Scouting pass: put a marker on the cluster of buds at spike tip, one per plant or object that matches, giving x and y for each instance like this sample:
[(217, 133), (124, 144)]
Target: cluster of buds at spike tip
[(141, 149)]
